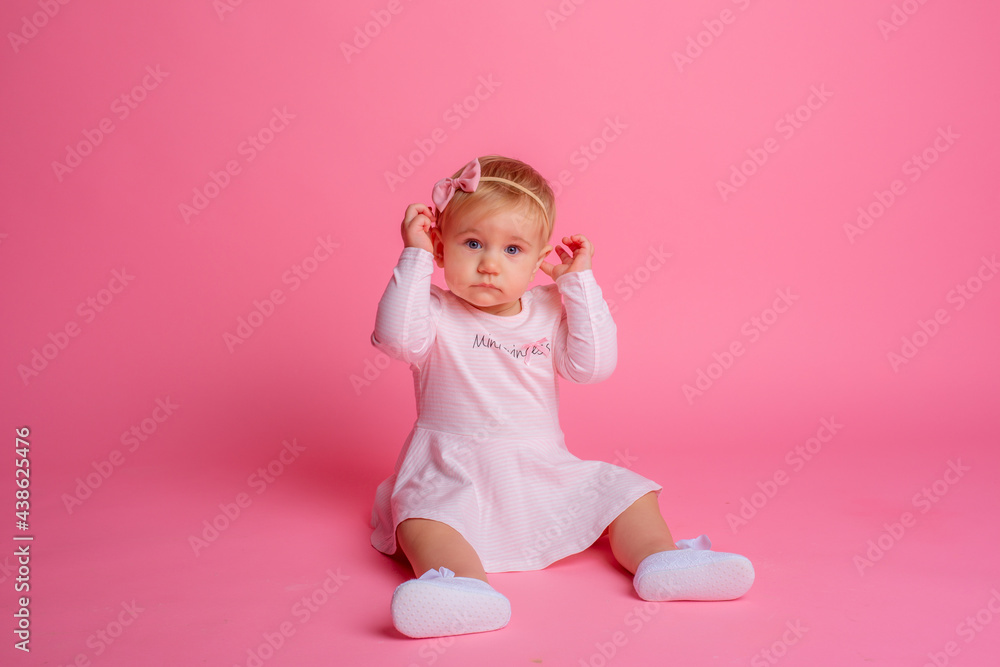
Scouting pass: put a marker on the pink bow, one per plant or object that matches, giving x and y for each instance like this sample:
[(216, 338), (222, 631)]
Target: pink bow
[(701, 542), (537, 345), (467, 181)]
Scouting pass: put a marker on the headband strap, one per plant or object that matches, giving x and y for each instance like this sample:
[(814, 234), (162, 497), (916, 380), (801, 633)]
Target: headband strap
[(468, 181), (519, 187)]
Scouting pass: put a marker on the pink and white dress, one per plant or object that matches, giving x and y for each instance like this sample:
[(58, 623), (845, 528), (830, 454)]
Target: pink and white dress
[(486, 455)]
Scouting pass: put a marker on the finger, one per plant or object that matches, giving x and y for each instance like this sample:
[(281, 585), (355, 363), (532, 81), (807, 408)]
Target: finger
[(410, 214), (547, 268), (584, 243), (425, 210)]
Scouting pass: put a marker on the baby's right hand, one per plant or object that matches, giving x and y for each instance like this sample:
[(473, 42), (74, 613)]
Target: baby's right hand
[(416, 229)]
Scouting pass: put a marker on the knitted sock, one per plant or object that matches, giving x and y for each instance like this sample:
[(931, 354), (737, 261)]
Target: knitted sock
[(693, 572), (439, 604)]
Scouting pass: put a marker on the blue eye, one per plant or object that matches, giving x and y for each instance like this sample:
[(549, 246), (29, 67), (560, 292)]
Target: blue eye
[(513, 248), (473, 244)]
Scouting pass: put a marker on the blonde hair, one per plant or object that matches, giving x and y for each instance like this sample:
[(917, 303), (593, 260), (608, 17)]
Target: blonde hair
[(496, 195)]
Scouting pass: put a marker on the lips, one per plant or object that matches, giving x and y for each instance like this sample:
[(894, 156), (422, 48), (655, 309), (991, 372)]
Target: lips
[(486, 285)]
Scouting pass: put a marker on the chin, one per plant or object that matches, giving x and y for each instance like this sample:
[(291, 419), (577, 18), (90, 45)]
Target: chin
[(485, 303)]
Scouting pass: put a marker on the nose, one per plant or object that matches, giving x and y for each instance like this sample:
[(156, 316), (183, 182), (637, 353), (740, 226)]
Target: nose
[(488, 264)]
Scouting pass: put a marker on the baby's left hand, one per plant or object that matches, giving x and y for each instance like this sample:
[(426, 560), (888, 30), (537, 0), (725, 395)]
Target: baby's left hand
[(580, 260)]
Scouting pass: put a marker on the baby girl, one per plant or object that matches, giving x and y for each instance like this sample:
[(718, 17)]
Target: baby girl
[(484, 482)]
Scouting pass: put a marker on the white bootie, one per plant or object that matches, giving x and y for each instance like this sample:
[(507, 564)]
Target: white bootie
[(439, 604), (693, 572)]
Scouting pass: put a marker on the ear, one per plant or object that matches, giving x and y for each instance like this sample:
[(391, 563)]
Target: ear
[(438, 244), (541, 258)]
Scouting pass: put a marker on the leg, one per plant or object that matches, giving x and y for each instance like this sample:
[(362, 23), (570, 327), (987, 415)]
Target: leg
[(441, 603), (638, 532), (643, 545), (429, 545)]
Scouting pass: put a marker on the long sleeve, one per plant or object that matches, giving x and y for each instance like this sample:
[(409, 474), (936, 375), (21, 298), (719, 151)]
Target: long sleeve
[(404, 324), (586, 345)]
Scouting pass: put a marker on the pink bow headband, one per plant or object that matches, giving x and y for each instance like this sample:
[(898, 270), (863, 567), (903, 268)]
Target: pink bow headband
[(468, 181)]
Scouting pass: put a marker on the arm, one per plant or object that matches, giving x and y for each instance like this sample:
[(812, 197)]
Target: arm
[(586, 345), (586, 341), (404, 324)]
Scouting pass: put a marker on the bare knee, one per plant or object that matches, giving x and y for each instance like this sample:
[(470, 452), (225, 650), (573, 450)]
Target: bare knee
[(413, 531)]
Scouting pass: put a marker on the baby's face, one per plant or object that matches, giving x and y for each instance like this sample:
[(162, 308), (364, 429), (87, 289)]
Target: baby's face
[(489, 259)]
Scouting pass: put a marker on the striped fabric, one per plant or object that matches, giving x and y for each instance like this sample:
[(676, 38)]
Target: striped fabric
[(486, 455)]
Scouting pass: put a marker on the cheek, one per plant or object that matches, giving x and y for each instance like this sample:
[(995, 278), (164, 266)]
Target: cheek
[(526, 269), (457, 259)]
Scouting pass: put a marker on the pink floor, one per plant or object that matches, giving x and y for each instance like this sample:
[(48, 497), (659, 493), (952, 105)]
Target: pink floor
[(296, 562), (199, 209)]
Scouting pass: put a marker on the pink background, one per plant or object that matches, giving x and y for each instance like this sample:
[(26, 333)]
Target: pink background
[(640, 138)]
